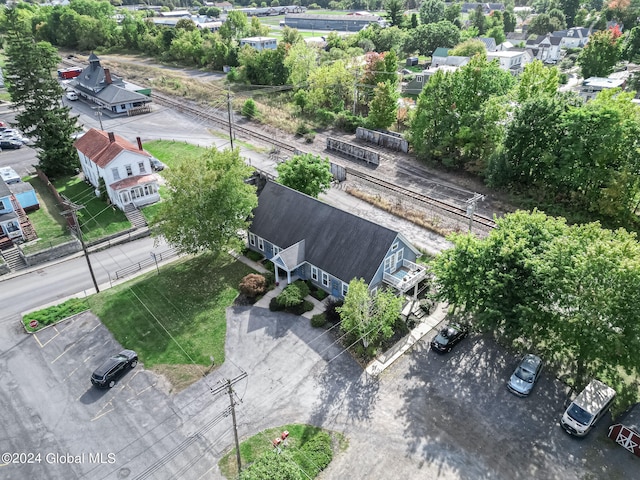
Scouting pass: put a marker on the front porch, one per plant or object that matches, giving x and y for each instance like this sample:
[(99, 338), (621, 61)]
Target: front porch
[(140, 190), (406, 276)]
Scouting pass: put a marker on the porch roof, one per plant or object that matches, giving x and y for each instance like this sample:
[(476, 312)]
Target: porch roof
[(133, 181), (7, 217), (293, 256)]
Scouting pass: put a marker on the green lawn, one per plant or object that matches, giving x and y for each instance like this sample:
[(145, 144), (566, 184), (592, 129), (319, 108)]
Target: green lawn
[(181, 308), (299, 434), (47, 220), (171, 153), (96, 218)]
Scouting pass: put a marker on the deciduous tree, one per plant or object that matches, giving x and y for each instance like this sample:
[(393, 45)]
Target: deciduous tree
[(306, 173), (599, 56), (431, 11), (383, 110), (209, 203), (369, 317)]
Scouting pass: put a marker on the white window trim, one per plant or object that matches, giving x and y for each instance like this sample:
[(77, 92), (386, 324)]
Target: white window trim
[(345, 289), (314, 273), (325, 279), (394, 247), (252, 239), (276, 250), (260, 244)]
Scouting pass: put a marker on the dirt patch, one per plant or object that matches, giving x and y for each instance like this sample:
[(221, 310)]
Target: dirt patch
[(178, 377)]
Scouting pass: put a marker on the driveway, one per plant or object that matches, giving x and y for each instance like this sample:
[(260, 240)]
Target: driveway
[(427, 416)]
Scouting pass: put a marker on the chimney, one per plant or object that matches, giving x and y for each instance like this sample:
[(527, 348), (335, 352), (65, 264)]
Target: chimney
[(112, 137), (139, 143), (107, 76)]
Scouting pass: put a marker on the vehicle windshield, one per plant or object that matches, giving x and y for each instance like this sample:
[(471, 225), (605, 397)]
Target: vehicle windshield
[(579, 414), (445, 335), (524, 374)]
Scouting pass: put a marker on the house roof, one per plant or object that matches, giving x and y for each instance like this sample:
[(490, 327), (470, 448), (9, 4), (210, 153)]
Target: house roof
[(97, 147), (631, 418), (133, 181), (4, 189), (115, 95), (440, 52), (20, 187), (489, 43), (5, 217), (337, 18), (337, 242), (602, 82), (93, 78)]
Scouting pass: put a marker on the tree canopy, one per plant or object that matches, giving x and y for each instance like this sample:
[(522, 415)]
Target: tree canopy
[(209, 203), (306, 173), (567, 292)]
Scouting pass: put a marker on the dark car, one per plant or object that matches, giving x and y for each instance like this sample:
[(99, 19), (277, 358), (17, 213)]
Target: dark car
[(113, 368), (448, 337), (10, 144), (525, 375), (156, 164)]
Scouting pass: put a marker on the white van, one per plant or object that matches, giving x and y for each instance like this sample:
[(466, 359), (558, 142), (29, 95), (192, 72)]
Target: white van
[(71, 95), (587, 408)]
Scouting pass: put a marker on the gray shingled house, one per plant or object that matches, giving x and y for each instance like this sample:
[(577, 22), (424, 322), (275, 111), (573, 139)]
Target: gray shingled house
[(314, 241), (100, 86)]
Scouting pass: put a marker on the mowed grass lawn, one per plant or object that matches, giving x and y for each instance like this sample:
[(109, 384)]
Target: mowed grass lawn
[(49, 224), (172, 153), (176, 318), (97, 218)]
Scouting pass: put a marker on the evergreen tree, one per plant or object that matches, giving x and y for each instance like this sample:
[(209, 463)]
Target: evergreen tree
[(34, 91)]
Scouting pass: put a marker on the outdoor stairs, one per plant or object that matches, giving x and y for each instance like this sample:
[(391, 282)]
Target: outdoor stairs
[(14, 259), (134, 215), (28, 232)]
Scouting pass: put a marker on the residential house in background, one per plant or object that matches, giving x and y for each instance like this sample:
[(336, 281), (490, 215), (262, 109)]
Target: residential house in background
[(513, 60), (439, 56), (592, 86), (311, 240), (24, 192), (545, 48), (129, 180), (14, 223), (576, 37), (98, 85), (489, 43), (260, 43)]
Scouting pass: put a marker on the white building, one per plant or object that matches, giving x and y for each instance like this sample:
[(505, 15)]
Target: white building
[(260, 43), (125, 168)]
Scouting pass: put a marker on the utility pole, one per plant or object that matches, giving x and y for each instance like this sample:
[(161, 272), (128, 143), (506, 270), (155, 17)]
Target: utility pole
[(230, 121), (471, 207), (99, 115), (227, 385), (72, 208)]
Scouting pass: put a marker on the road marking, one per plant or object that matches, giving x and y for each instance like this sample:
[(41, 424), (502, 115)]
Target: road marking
[(101, 415), (35, 335), (207, 472), (58, 357), (67, 377)]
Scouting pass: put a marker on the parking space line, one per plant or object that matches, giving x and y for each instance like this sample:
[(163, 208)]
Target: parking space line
[(35, 335), (58, 357), (101, 415), (73, 371)]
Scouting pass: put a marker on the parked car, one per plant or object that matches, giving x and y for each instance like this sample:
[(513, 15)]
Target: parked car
[(448, 337), (156, 164), (71, 95), (525, 375), (107, 374), (587, 408), (6, 144)]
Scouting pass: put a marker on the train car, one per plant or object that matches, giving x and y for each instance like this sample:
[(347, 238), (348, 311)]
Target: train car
[(69, 73)]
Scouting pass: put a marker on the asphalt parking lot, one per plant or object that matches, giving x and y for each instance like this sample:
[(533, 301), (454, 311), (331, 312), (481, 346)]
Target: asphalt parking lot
[(427, 416)]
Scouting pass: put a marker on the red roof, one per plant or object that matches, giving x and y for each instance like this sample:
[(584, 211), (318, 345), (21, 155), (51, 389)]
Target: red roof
[(133, 181), (97, 147)]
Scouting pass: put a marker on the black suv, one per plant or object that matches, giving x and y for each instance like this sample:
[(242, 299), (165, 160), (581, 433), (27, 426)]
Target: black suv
[(448, 337), (113, 368)]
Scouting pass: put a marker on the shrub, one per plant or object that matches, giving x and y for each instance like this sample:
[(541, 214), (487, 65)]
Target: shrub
[(331, 313), (315, 454), (310, 137), (326, 117), (249, 109), (270, 278), (319, 294), (290, 296), (275, 306), (233, 75), (299, 309), (318, 320), (253, 255), (302, 129), (348, 122), (303, 287), (253, 285), (50, 315)]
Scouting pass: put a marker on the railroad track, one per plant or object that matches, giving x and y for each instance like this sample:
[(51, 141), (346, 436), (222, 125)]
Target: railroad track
[(452, 210), (220, 118)]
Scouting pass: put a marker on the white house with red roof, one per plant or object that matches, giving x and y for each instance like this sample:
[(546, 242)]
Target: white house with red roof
[(125, 168)]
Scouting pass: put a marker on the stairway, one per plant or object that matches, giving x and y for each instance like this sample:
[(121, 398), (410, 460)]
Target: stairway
[(134, 215), (14, 259), (28, 232)]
